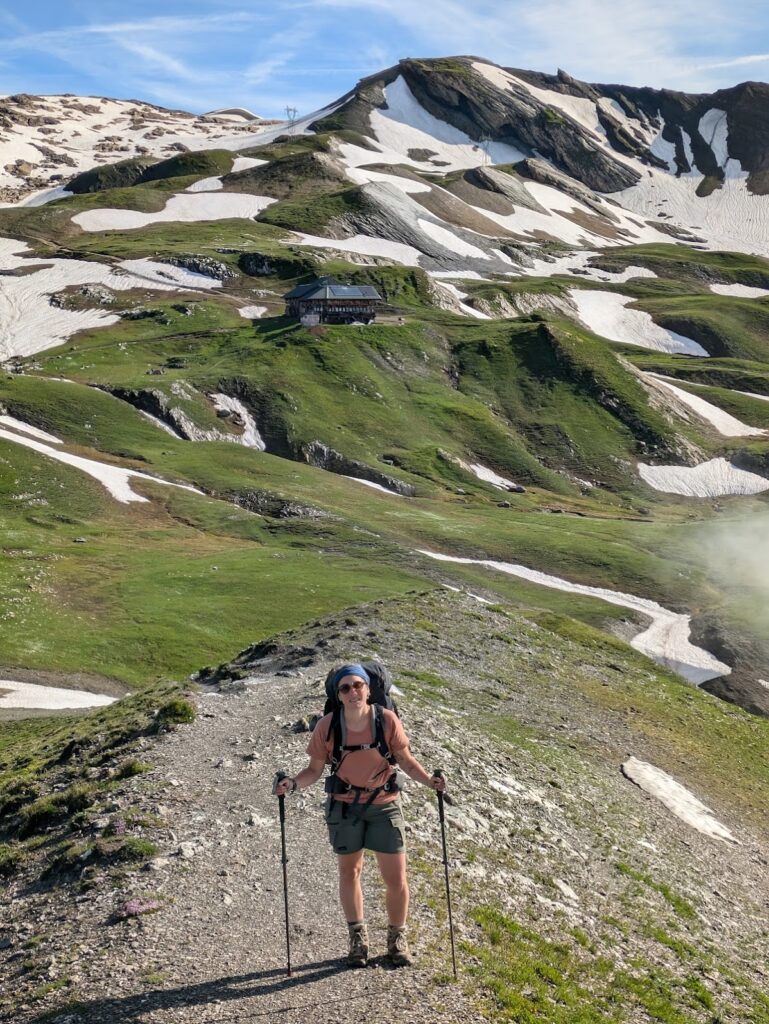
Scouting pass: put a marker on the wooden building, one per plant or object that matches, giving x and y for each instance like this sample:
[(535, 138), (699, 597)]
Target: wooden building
[(326, 301)]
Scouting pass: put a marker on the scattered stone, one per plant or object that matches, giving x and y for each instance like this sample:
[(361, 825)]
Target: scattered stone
[(137, 907)]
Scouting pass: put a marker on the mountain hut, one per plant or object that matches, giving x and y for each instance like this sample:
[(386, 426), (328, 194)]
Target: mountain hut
[(326, 301)]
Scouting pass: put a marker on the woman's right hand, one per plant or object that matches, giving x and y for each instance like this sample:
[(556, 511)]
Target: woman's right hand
[(286, 785)]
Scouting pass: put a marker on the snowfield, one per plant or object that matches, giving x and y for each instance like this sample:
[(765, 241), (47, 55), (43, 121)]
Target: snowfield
[(577, 265), (405, 124), (714, 479), (676, 798), (29, 323), (666, 640), (83, 131), (729, 219), (187, 207), (606, 314)]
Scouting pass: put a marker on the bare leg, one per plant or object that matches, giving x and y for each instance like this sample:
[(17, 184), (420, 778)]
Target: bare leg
[(392, 867), (350, 893)]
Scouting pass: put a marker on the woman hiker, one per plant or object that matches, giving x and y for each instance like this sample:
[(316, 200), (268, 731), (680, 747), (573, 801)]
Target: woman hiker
[(365, 812)]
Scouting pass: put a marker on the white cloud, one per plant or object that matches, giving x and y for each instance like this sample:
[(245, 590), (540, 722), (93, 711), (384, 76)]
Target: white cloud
[(649, 43), (223, 52)]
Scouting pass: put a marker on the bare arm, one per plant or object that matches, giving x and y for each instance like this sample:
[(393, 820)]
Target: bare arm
[(409, 764)]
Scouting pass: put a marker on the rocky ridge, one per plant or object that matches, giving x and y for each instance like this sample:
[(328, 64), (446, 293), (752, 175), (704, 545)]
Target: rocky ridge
[(542, 827)]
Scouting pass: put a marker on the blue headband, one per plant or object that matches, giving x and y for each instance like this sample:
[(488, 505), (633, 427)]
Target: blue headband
[(351, 670)]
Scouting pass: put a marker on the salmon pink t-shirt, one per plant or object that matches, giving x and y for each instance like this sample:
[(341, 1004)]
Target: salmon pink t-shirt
[(360, 767)]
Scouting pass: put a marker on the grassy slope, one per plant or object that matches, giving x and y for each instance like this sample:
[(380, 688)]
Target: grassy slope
[(542, 403), (157, 589), (526, 404)]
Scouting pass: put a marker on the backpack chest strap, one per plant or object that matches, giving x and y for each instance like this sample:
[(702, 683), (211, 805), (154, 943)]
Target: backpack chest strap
[(341, 748)]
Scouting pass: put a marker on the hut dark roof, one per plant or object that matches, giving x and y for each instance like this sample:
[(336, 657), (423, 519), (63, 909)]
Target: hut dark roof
[(330, 288)]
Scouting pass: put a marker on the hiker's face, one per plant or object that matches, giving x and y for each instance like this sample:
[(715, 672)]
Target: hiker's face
[(353, 690)]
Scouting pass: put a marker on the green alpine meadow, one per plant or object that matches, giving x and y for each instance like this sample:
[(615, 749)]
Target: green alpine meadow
[(466, 373)]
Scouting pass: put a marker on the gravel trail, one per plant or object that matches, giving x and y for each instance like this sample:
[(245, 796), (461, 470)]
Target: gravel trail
[(219, 941)]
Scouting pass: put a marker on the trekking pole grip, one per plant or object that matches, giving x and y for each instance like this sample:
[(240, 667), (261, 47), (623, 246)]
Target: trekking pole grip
[(280, 775), (438, 774)]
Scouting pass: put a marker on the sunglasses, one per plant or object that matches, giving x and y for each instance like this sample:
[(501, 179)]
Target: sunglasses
[(346, 687)]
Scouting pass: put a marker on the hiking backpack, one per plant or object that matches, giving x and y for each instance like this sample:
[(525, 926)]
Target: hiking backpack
[(380, 698)]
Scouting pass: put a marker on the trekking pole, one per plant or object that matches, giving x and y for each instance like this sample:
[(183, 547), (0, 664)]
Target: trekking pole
[(439, 773), (279, 776)]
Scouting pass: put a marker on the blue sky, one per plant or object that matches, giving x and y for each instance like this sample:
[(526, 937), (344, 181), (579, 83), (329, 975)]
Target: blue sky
[(204, 54)]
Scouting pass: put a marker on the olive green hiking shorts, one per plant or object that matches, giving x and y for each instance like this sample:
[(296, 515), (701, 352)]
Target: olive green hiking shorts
[(380, 827)]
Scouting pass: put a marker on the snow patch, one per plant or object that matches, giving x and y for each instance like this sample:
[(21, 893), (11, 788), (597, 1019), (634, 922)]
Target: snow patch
[(252, 312), (451, 241), (743, 291), (160, 423), (488, 475), (713, 479), (250, 437), (725, 424), (367, 245), (578, 108), (606, 314), (459, 296), (206, 185), (362, 176), (666, 640), (370, 483), (115, 479), (245, 163), (676, 798), (49, 698), (26, 428), (714, 129), (164, 276)]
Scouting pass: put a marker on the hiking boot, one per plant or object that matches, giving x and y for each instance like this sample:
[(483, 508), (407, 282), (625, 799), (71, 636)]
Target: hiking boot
[(397, 946), (358, 954)]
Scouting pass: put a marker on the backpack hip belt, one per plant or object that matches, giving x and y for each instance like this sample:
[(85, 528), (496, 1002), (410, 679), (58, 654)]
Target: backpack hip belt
[(334, 785)]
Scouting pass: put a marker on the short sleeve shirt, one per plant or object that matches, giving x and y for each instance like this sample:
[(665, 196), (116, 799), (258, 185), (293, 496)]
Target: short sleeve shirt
[(365, 768)]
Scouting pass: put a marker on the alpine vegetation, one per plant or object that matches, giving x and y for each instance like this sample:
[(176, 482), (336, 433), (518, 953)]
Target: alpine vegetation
[(419, 445)]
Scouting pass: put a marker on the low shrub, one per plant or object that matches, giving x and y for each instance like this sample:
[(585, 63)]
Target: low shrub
[(176, 711), (10, 859)]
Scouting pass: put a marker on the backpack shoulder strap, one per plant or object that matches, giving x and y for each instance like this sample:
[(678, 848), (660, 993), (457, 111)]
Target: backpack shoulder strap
[(380, 740), (336, 731)]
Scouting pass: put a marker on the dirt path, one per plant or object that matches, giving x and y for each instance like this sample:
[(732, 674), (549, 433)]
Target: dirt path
[(216, 949)]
